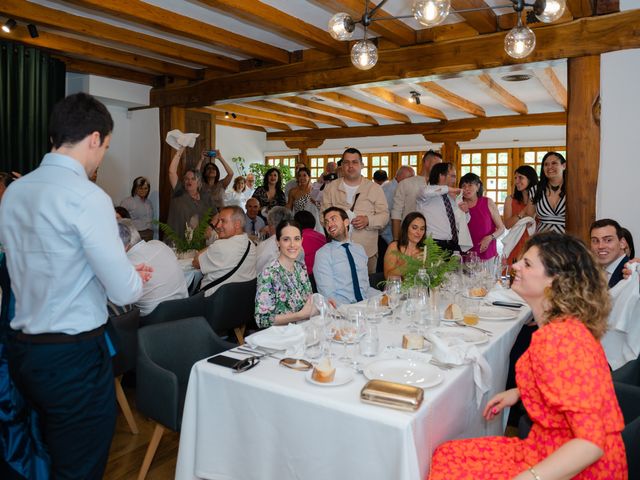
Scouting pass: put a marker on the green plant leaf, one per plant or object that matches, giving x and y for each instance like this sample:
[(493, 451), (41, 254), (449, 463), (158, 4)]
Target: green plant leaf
[(436, 261), (198, 240)]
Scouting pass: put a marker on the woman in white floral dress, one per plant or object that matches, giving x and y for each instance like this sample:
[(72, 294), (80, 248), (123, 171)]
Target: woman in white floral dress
[(284, 290)]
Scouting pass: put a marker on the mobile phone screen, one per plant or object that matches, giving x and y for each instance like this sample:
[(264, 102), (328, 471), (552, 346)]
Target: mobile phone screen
[(223, 361)]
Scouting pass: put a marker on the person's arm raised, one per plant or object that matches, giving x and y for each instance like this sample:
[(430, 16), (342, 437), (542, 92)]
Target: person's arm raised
[(173, 167)]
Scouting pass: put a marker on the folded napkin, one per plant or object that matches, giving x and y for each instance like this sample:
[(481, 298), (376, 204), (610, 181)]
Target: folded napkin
[(288, 337), (499, 293), (458, 352), (403, 353), (511, 239), (177, 139)]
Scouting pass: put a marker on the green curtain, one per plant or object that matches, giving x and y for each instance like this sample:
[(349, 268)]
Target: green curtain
[(31, 82)]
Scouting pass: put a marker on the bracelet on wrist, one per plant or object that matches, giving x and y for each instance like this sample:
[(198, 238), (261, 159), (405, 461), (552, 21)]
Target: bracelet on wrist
[(534, 474)]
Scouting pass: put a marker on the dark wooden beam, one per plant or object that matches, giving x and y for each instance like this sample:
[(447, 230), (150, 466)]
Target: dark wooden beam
[(428, 128), (484, 21), (109, 71), (586, 36)]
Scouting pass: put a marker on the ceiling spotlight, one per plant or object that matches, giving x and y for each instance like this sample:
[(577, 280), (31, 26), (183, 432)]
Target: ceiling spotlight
[(9, 25), (415, 97), (226, 114), (233, 115), (33, 30)]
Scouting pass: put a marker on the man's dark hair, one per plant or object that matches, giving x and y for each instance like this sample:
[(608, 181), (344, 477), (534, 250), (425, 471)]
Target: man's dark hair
[(305, 219), (437, 170), (77, 116), (430, 153), (380, 175), (123, 212), (342, 213), (351, 150), (607, 222)]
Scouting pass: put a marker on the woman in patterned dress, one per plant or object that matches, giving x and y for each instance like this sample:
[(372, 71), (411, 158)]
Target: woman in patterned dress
[(563, 380), (270, 193), (550, 196), (284, 290)]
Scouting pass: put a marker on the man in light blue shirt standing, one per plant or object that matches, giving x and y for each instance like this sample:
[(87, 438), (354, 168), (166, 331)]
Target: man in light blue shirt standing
[(65, 257), (340, 268)]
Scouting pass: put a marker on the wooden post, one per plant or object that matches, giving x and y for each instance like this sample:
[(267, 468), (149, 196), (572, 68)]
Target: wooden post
[(450, 149), (303, 146), (170, 118), (583, 143)]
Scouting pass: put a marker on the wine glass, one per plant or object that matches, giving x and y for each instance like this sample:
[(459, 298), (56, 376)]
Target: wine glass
[(393, 291), (329, 329)]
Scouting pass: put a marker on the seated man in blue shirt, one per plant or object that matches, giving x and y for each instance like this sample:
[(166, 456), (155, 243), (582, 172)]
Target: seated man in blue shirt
[(340, 268)]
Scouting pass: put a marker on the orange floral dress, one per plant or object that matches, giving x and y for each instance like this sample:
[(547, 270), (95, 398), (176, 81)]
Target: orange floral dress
[(566, 387)]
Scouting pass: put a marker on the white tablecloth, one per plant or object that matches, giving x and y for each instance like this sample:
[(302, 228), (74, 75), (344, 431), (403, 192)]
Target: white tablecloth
[(270, 423)]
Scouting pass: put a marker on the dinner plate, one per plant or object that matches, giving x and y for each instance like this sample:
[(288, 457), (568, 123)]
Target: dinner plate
[(343, 375), (466, 334), (472, 297), (404, 371), (496, 313)]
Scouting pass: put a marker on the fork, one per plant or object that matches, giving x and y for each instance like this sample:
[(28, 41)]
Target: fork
[(261, 353)]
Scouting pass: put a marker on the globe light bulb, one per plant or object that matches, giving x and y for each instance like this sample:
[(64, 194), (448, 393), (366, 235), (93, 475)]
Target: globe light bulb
[(431, 12), (548, 11), (364, 55), (520, 41), (341, 26)]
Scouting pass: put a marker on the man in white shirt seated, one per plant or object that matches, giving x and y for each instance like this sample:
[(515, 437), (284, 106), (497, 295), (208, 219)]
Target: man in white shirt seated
[(232, 257), (254, 223), (267, 250), (607, 244), (168, 281)]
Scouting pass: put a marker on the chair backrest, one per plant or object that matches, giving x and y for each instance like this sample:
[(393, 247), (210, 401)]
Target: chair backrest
[(171, 310), (123, 331), (166, 353), (375, 280), (631, 439), (232, 306), (628, 373)]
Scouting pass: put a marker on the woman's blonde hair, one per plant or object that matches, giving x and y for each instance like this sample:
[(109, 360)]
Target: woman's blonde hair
[(579, 287)]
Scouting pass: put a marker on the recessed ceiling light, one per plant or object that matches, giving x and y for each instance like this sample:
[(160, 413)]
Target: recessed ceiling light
[(316, 99), (517, 77)]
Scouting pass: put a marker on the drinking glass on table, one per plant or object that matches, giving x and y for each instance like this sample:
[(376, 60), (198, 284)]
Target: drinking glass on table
[(370, 342), (393, 291), (375, 308), (470, 311), (313, 341), (417, 306), (329, 329)]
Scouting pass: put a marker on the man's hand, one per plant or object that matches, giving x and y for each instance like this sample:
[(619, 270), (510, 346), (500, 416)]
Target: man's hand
[(144, 271), (360, 222), (454, 191), (626, 272)]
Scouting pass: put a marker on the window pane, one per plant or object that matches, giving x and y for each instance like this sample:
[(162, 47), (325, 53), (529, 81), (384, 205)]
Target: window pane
[(477, 170), (502, 184), (385, 161), (503, 171), (491, 158), (492, 195), (466, 158), (476, 158), (502, 196), (503, 157), (465, 169), (491, 184), (492, 171)]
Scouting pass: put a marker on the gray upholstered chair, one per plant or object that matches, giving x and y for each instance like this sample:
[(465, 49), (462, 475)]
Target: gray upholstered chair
[(166, 353), (232, 307), (175, 310), (628, 373)]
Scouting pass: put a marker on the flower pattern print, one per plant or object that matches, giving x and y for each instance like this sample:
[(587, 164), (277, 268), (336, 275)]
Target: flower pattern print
[(566, 388), (280, 291)]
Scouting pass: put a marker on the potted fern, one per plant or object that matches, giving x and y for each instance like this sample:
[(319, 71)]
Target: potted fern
[(194, 239), (436, 261)]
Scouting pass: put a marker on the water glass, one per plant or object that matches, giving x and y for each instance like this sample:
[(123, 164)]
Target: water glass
[(470, 311), (375, 309), (370, 342), (313, 341)]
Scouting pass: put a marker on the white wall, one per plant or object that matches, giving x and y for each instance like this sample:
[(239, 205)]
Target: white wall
[(619, 165), (238, 142)]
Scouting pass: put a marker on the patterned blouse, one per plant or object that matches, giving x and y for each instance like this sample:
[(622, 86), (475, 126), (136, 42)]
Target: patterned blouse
[(550, 219), (278, 200), (280, 291)]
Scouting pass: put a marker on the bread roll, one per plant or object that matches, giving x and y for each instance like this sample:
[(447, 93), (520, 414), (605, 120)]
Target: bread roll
[(323, 372), (412, 341), (478, 292), (453, 312)]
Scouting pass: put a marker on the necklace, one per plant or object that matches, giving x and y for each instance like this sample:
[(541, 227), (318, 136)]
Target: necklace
[(554, 188)]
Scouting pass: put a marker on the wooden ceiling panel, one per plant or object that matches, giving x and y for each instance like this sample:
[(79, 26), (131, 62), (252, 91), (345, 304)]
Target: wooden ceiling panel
[(453, 99), (253, 121), (484, 21), (553, 85), (234, 124), (297, 112), (393, 99), (256, 113), (371, 108), (502, 95), (341, 112), (109, 71)]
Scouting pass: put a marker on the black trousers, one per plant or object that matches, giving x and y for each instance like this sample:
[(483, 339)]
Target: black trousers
[(449, 245), (71, 387)]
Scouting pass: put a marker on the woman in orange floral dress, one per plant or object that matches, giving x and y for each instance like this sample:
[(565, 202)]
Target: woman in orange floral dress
[(563, 380)]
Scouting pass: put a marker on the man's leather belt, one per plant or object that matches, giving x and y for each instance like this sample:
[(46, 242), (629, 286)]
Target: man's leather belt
[(59, 337)]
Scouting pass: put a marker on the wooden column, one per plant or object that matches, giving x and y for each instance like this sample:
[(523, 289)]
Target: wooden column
[(583, 143), (303, 146), (450, 149), (170, 118)]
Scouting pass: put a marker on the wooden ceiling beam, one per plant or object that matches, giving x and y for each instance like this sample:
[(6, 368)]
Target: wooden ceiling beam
[(374, 109), (449, 31), (553, 85), (393, 99), (586, 36), (66, 22), (503, 96), (254, 112), (429, 128), (454, 100), (261, 122), (109, 71), (580, 8), (168, 21), (484, 21), (276, 21), (395, 30), (227, 123), (71, 46), (509, 20), (297, 112), (341, 112)]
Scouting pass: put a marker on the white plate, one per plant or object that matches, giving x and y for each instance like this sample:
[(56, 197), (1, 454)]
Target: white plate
[(472, 297), (466, 334), (496, 313), (343, 375), (404, 371)]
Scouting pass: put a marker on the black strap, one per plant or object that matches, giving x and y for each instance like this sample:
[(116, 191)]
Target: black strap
[(354, 202), (227, 275)]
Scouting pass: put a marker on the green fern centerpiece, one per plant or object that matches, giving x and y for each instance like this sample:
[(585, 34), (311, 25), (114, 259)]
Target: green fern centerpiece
[(193, 239), (435, 260)]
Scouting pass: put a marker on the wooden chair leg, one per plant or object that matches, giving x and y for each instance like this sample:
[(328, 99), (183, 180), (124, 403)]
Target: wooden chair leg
[(239, 331), (151, 451), (124, 405)]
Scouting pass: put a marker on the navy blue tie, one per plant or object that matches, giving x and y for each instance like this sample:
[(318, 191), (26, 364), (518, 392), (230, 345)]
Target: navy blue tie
[(354, 273)]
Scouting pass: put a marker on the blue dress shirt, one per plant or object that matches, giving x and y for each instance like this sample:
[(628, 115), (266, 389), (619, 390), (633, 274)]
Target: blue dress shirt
[(332, 273), (63, 250)]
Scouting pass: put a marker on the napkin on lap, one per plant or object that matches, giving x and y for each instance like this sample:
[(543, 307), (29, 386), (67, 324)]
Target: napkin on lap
[(288, 337), (177, 139), (458, 352)]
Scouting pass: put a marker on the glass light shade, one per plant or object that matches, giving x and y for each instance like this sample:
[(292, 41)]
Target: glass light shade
[(364, 54), (520, 41), (548, 11), (341, 26), (431, 12)]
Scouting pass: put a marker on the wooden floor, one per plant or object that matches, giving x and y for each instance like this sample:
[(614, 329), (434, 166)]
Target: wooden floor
[(127, 449)]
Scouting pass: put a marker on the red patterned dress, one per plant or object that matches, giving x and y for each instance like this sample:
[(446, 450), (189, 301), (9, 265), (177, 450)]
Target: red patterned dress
[(566, 387)]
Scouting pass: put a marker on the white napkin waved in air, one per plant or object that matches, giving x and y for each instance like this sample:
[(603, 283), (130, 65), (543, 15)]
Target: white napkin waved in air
[(458, 352), (511, 239), (288, 337), (176, 139)]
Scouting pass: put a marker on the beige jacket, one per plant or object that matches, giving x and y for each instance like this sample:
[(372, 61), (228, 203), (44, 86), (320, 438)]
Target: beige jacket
[(371, 202)]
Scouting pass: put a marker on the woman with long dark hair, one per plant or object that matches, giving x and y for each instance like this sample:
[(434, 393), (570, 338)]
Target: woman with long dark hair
[(412, 233), (140, 208), (519, 204), (550, 196), (270, 193), (211, 182)]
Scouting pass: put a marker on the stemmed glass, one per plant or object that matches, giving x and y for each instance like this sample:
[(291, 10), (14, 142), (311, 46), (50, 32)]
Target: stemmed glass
[(393, 291), (329, 329)]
